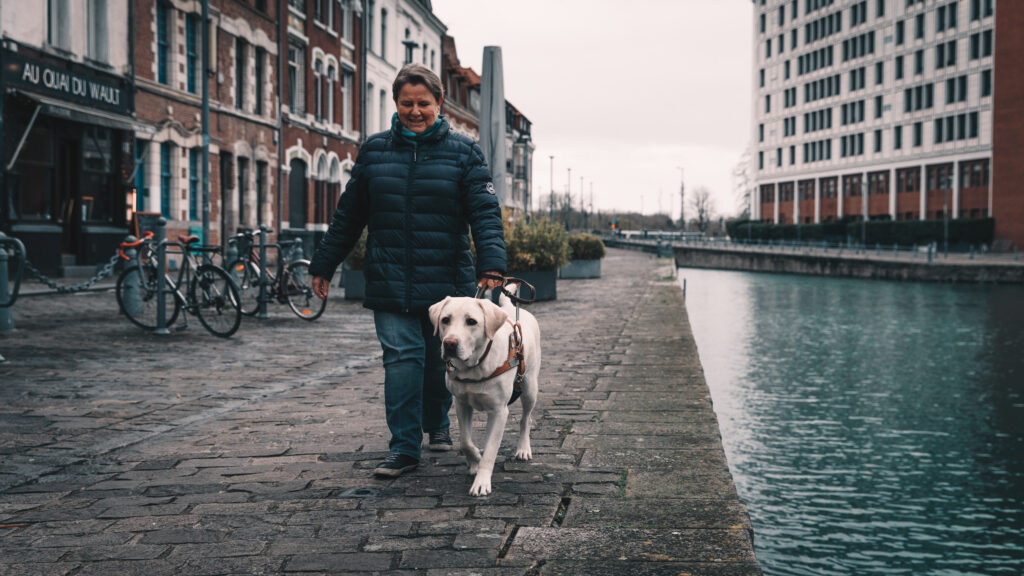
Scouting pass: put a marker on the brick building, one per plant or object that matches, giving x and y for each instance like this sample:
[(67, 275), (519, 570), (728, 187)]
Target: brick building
[(243, 113), (320, 110), (462, 91), (887, 106)]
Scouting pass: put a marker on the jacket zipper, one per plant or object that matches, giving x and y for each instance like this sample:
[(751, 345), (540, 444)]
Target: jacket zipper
[(408, 218)]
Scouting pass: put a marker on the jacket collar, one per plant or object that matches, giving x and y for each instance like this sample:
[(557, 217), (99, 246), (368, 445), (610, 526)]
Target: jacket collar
[(435, 135)]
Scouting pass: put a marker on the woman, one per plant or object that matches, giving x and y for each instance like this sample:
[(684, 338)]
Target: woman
[(420, 189)]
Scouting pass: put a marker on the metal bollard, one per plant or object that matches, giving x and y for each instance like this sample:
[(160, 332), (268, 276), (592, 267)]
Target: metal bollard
[(161, 280), (971, 257), (261, 311), (930, 253), (6, 317), (131, 296)]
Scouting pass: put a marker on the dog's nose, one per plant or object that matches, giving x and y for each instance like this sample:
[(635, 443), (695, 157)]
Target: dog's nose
[(450, 345)]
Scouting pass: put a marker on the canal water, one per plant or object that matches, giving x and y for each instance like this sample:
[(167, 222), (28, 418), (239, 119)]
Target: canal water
[(871, 427)]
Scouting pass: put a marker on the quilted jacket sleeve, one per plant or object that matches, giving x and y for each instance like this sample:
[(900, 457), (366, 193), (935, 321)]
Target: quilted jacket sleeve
[(484, 213), (347, 224)]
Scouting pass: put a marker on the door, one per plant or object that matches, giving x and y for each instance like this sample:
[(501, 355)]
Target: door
[(297, 190), (66, 184)]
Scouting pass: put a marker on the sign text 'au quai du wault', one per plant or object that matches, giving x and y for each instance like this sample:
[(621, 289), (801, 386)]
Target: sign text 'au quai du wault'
[(74, 83)]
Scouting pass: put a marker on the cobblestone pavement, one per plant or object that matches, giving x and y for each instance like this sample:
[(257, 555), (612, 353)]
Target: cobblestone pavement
[(128, 453)]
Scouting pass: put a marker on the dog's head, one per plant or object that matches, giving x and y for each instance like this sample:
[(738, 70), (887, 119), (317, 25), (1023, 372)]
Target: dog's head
[(465, 325)]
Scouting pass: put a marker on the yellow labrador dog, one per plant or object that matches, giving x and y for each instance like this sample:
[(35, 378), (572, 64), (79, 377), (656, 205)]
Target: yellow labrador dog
[(476, 339)]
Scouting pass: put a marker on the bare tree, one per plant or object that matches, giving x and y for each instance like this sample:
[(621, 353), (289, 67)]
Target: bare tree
[(742, 180), (702, 206)]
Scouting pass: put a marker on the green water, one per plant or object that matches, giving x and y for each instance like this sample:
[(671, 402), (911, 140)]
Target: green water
[(871, 427)]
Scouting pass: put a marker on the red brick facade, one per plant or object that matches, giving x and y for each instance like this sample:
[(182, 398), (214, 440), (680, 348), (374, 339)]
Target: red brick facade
[(1008, 136)]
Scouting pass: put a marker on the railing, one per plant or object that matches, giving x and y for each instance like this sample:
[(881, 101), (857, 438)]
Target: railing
[(927, 253)]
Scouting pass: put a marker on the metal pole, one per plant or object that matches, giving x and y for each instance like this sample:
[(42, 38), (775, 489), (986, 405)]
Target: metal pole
[(568, 197), (551, 191), (6, 316), (206, 124), (161, 281), (864, 213), (261, 311), (945, 221)]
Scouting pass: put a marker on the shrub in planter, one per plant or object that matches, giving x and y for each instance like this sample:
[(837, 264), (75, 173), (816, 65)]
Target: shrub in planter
[(586, 252), (352, 276), (536, 250)]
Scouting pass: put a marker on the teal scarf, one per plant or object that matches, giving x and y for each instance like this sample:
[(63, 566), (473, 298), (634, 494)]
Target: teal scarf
[(414, 136)]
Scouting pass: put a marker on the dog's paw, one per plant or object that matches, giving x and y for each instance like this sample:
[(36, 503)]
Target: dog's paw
[(523, 451), (481, 487), (473, 467)]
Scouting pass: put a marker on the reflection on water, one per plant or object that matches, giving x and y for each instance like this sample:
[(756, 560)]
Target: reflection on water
[(871, 427)]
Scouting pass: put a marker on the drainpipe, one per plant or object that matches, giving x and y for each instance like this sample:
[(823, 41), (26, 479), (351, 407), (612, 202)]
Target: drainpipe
[(282, 47), (362, 64), (206, 125)]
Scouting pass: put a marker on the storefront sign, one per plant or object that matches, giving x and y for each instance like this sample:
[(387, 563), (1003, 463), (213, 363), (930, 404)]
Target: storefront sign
[(66, 81)]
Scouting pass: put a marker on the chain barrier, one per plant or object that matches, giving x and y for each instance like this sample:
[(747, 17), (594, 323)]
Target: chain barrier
[(105, 271)]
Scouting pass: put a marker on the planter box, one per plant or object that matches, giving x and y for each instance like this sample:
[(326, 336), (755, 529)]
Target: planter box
[(354, 282), (544, 281), (581, 269)]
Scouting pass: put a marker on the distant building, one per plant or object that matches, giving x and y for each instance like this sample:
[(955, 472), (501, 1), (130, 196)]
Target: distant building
[(895, 99), (462, 92), (399, 32)]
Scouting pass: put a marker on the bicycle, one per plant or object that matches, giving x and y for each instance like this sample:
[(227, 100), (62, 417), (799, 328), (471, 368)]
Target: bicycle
[(211, 294), (291, 283)]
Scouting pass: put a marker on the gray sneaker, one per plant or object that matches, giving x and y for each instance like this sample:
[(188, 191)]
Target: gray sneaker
[(395, 465), (439, 440)]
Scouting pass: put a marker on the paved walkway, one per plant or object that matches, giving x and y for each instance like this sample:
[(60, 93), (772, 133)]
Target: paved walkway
[(122, 452)]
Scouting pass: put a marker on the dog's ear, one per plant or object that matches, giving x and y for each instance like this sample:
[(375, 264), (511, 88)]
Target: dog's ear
[(435, 313), (494, 317)]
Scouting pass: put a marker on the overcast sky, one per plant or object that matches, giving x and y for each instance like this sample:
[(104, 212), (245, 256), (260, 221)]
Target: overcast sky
[(622, 92)]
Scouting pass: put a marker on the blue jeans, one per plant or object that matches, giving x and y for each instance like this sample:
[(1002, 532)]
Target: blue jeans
[(416, 399)]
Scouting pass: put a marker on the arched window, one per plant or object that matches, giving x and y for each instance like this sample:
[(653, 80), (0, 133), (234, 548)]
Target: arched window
[(332, 77), (318, 89), (334, 188)]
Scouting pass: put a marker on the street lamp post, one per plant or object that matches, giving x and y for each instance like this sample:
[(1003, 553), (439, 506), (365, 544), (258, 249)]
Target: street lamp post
[(864, 213), (682, 200), (945, 217), (568, 197), (551, 190)]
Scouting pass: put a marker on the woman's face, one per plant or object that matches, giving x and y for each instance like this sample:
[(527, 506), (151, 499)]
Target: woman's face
[(417, 108)]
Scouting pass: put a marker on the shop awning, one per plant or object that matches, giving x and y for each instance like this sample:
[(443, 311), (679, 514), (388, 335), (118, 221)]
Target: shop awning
[(79, 113)]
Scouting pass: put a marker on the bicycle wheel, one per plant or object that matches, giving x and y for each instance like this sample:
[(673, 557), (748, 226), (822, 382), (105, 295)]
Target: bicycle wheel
[(215, 298), (136, 297), (298, 285), (247, 277)]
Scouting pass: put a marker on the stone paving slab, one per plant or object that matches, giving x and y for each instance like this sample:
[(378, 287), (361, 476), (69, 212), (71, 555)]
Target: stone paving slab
[(122, 452)]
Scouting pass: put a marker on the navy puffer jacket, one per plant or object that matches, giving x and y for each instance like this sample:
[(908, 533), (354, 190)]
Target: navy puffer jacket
[(419, 197)]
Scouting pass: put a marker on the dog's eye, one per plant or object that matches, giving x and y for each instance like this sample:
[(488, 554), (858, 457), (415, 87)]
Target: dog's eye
[(470, 321), (446, 320)]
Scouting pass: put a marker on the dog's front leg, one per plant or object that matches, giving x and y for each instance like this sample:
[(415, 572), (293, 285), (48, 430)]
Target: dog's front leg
[(495, 428), (464, 412)]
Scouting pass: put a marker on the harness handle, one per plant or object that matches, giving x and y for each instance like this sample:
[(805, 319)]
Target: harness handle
[(514, 297)]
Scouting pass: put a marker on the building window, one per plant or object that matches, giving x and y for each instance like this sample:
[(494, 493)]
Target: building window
[(347, 111), (897, 138), (98, 30), (878, 106), (240, 61), (261, 5), (760, 160), (879, 8), (919, 62), (318, 90), (918, 134), (166, 155), (346, 20), (192, 33), (899, 33), (383, 34), (879, 73), (899, 67), (243, 189), (986, 83), (762, 77), (760, 132), (140, 175), (194, 161), (919, 26), (261, 62), (296, 78), (369, 27), (58, 20), (385, 122), (986, 43), (163, 43), (261, 184), (332, 77)]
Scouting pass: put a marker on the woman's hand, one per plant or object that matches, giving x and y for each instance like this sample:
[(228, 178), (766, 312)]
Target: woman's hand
[(321, 286), (487, 282)]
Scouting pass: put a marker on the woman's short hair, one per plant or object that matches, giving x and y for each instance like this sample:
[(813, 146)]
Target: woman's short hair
[(417, 74)]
